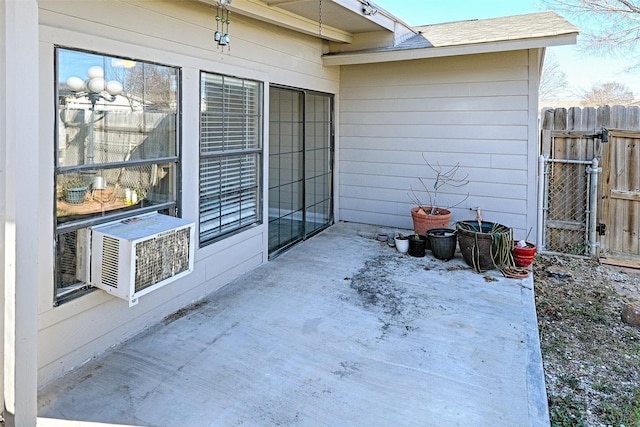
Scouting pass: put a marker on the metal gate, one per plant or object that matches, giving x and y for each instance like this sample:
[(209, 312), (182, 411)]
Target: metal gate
[(568, 217)]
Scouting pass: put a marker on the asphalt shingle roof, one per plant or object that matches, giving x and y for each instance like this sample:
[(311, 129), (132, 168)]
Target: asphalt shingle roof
[(533, 25), (479, 31)]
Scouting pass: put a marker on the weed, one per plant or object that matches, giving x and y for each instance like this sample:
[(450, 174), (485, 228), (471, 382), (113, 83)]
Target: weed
[(571, 381), (566, 412), (604, 388)]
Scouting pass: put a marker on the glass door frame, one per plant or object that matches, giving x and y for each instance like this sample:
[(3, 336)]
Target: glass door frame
[(305, 233)]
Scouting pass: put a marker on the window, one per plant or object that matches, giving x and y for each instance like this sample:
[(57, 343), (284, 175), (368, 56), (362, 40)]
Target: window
[(116, 150), (230, 155)]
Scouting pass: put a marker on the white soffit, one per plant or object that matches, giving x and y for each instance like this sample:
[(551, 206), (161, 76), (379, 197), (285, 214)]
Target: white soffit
[(341, 19)]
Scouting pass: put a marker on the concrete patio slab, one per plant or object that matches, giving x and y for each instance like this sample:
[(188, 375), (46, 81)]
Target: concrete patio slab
[(342, 330)]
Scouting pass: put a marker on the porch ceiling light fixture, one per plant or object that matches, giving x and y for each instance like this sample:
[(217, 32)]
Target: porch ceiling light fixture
[(95, 87), (368, 9)]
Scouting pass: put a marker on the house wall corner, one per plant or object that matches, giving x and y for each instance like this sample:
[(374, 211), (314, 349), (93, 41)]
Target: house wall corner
[(19, 191)]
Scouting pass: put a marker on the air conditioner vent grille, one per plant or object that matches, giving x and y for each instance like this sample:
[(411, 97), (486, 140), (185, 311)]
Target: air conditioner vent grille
[(110, 255), (136, 256), (161, 257)]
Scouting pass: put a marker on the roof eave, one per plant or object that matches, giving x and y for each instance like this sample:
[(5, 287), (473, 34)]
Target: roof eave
[(372, 57)]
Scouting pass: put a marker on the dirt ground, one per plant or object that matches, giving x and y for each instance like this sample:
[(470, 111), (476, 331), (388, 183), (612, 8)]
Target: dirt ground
[(591, 358)]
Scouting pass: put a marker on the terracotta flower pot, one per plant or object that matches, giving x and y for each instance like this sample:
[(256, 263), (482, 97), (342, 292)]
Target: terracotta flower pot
[(422, 222), (523, 256)]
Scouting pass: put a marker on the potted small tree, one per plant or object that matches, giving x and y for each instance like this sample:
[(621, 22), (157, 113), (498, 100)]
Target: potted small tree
[(428, 214)]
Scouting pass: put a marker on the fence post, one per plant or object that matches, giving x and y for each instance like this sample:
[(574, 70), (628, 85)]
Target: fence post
[(594, 170), (541, 194)]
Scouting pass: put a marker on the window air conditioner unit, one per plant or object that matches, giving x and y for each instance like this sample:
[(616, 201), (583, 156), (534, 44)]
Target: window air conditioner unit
[(138, 255)]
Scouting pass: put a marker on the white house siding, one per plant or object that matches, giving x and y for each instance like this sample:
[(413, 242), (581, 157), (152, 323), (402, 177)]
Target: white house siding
[(178, 34), (474, 110)]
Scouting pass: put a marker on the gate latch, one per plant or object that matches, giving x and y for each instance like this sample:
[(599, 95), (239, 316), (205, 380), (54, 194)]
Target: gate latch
[(601, 229), (604, 135)]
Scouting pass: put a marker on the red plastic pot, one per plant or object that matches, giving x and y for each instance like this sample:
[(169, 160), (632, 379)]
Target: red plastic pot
[(523, 257)]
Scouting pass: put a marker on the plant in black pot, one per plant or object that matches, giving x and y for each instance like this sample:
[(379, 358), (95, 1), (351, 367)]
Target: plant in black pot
[(417, 245), (443, 243)]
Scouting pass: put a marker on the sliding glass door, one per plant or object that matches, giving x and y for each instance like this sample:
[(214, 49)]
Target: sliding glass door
[(300, 166)]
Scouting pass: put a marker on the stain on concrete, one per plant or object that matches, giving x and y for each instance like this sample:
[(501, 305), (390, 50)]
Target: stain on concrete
[(379, 290), (347, 369), (183, 312)]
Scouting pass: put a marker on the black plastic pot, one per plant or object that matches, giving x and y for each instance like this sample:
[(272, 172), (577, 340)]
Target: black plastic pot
[(443, 243), (417, 246)]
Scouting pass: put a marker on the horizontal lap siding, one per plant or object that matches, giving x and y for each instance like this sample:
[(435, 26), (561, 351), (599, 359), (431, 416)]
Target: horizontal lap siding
[(186, 29), (179, 34), (473, 110)]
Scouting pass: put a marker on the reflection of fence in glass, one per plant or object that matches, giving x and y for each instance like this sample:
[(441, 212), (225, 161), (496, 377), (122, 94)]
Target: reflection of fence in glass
[(119, 140), (118, 137)]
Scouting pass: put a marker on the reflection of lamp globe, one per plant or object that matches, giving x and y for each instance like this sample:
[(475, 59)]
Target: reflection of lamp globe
[(114, 87), (95, 72), (75, 84), (96, 85)]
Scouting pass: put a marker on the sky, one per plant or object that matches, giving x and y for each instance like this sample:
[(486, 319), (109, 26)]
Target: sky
[(582, 70)]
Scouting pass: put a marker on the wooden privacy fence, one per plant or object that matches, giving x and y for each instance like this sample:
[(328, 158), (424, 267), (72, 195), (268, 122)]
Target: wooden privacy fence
[(591, 208)]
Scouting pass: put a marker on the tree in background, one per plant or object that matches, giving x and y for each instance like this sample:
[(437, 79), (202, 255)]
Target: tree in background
[(553, 84), (610, 93), (612, 25)]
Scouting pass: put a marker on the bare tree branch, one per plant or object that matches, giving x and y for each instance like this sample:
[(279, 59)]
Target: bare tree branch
[(610, 25), (610, 93), (554, 80)]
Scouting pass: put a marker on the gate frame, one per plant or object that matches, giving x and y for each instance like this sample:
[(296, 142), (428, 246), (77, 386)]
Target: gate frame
[(590, 223)]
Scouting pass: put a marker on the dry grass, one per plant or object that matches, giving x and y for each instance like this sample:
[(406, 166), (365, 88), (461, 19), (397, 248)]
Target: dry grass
[(591, 358)]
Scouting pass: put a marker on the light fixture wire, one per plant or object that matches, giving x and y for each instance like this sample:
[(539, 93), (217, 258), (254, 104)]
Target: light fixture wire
[(320, 18)]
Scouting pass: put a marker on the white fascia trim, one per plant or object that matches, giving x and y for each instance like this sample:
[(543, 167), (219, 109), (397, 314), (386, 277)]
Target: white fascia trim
[(372, 57)]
